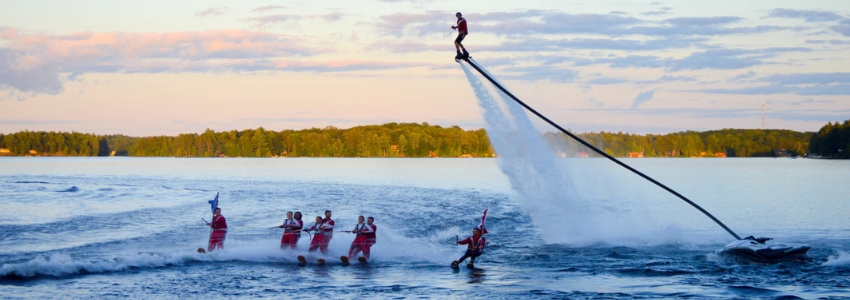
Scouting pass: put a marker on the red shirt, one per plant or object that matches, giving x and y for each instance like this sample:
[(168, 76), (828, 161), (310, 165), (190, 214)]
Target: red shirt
[(461, 26), (473, 242), (219, 223), (371, 235)]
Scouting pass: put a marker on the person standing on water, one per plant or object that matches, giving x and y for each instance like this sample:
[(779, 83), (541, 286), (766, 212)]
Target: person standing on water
[(474, 248), (361, 242), (318, 237), (219, 230), (291, 231), (328, 230), (461, 34)]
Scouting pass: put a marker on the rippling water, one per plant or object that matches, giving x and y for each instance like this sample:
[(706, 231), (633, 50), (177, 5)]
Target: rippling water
[(129, 227)]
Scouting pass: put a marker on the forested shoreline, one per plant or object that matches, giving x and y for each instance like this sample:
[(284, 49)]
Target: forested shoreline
[(424, 140)]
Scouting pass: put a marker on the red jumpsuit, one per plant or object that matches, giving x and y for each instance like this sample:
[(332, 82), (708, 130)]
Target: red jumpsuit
[(291, 233), (324, 233), (364, 240), (219, 231), (474, 248)]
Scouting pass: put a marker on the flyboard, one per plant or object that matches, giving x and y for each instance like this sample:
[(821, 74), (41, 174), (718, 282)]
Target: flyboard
[(749, 248)]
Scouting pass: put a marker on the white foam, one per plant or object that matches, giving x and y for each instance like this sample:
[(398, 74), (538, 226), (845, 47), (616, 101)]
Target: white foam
[(841, 260), (391, 247)]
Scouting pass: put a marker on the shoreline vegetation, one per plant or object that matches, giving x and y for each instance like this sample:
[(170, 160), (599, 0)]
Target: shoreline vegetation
[(425, 140)]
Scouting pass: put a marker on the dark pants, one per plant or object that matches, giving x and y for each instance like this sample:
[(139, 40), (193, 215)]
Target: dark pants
[(470, 254), (460, 37)]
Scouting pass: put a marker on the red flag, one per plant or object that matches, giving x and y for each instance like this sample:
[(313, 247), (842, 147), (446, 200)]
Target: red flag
[(481, 227)]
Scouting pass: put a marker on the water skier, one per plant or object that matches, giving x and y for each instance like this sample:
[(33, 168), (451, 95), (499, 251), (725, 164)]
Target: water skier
[(474, 248), (219, 230), (328, 229), (461, 33), (291, 230), (364, 240), (318, 237), (324, 229)]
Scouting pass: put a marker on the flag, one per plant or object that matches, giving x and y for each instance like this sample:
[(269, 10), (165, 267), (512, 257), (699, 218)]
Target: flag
[(214, 203), (483, 218)]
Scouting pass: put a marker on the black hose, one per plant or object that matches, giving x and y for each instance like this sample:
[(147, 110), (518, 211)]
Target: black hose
[(600, 151)]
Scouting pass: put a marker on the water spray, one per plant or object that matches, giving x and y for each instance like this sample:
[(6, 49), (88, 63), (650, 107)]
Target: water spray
[(597, 150)]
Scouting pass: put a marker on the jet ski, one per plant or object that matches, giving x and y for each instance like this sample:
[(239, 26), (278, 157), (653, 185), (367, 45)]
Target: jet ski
[(756, 250)]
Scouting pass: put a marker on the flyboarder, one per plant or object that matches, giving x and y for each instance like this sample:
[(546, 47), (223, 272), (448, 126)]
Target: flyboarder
[(461, 33), (219, 230)]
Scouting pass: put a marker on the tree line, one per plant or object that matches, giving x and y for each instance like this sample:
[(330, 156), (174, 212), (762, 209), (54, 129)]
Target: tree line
[(419, 140), (388, 140), (832, 140), (715, 143)]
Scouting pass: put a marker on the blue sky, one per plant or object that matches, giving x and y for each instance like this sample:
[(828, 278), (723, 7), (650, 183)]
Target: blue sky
[(158, 67)]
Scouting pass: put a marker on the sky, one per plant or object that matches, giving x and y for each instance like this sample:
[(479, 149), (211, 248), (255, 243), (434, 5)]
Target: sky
[(145, 68)]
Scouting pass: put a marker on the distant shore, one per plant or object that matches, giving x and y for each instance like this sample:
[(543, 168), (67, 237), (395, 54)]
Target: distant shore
[(405, 140)]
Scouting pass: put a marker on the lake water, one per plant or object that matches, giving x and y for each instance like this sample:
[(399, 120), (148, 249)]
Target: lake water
[(128, 227)]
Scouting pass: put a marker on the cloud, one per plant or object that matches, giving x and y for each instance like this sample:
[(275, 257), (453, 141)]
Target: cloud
[(595, 102), (668, 78), (40, 63), (641, 98), (539, 44), (402, 47), (810, 101), (26, 74), (747, 75), (212, 11), (606, 81), (401, 24), (800, 84), (807, 15), (550, 73), (808, 78), (843, 28), (267, 21), (332, 17), (263, 9), (722, 59)]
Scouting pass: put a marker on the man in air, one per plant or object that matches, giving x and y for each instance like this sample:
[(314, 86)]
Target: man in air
[(461, 33), (219, 230)]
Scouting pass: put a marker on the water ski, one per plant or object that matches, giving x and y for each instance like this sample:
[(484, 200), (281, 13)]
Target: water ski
[(362, 260), (320, 262), (302, 260), (344, 260), (454, 264), (201, 250)]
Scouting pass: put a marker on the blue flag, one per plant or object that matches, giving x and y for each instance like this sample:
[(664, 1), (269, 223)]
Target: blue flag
[(214, 203)]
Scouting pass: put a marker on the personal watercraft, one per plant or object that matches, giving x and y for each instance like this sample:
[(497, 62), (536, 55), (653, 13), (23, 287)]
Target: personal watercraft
[(757, 250)]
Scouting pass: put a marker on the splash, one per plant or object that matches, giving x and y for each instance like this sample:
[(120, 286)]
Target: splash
[(547, 187), (391, 247), (841, 260)]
